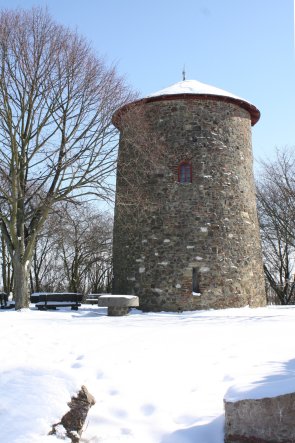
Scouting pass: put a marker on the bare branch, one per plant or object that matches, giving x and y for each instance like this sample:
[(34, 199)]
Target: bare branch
[(57, 141)]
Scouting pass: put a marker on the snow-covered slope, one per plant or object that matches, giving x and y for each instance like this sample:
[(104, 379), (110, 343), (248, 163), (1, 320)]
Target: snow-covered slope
[(157, 378)]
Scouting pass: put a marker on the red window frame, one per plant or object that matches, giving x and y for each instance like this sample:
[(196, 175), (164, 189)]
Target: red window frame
[(185, 172)]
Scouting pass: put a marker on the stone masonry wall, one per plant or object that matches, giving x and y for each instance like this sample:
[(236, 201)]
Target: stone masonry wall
[(208, 227)]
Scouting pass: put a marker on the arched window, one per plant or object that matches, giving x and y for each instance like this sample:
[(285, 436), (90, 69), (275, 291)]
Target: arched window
[(185, 172)]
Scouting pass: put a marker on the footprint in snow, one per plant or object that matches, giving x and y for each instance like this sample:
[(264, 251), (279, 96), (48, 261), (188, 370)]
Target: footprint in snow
[(147, 409), (77, 365)]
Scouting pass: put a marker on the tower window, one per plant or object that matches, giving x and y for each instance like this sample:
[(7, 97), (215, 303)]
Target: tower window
[(185, 172), (196, 281)]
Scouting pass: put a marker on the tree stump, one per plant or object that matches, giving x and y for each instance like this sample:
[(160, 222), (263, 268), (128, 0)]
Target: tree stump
[(73, 421)]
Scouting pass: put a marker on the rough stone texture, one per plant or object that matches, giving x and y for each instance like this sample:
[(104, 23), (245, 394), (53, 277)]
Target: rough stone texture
[(118, 305), (115, 311), (74, 420), (209, 225), (266, 420), (118, 300)]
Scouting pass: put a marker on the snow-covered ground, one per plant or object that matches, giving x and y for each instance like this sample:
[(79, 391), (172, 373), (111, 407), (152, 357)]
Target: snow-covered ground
[(156, 378)]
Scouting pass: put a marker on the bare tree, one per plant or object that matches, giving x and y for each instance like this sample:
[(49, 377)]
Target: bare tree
[(57, 140), (84, 246), (73, 251), (5, 268), (276, 208), (45, 272)]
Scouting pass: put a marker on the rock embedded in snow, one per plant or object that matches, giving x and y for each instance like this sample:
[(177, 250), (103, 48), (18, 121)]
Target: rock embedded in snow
[(259, 419)]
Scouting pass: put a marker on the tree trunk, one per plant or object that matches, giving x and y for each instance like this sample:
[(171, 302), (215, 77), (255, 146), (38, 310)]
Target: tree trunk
[(4, 265), (21, 278)]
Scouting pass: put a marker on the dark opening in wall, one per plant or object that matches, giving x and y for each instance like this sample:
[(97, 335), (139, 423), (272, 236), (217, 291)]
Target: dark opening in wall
[(196, 281)]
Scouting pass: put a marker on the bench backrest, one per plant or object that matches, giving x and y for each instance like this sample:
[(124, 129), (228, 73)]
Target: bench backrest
[(3, 298), (57, 297)]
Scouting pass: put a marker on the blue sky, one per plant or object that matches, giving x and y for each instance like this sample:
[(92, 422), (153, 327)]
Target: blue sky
[(243, 46)]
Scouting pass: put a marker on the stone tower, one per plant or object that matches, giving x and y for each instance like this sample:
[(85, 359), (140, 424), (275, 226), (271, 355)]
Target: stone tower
[(192, 240)]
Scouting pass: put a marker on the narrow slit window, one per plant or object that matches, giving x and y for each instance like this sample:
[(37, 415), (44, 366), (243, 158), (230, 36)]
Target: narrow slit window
[(185, 172), (196, 281)]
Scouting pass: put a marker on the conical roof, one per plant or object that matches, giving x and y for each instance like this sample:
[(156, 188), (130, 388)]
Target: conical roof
[(193, 89)]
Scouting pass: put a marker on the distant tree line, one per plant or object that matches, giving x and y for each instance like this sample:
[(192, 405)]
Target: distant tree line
[(72, 252)]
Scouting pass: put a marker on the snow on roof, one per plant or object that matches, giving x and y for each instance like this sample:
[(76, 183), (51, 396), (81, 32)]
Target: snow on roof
[(193, 87)]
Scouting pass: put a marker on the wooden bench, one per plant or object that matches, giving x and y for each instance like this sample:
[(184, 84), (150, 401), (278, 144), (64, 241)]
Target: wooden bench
[(53, 300), (3, 299), (4, 302), (91, 299), (118, 305)]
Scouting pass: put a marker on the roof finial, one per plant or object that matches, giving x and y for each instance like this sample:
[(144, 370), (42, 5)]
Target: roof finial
[(183, 73)]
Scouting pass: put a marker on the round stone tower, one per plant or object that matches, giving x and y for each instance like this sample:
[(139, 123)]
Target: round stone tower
[(186, 234)]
